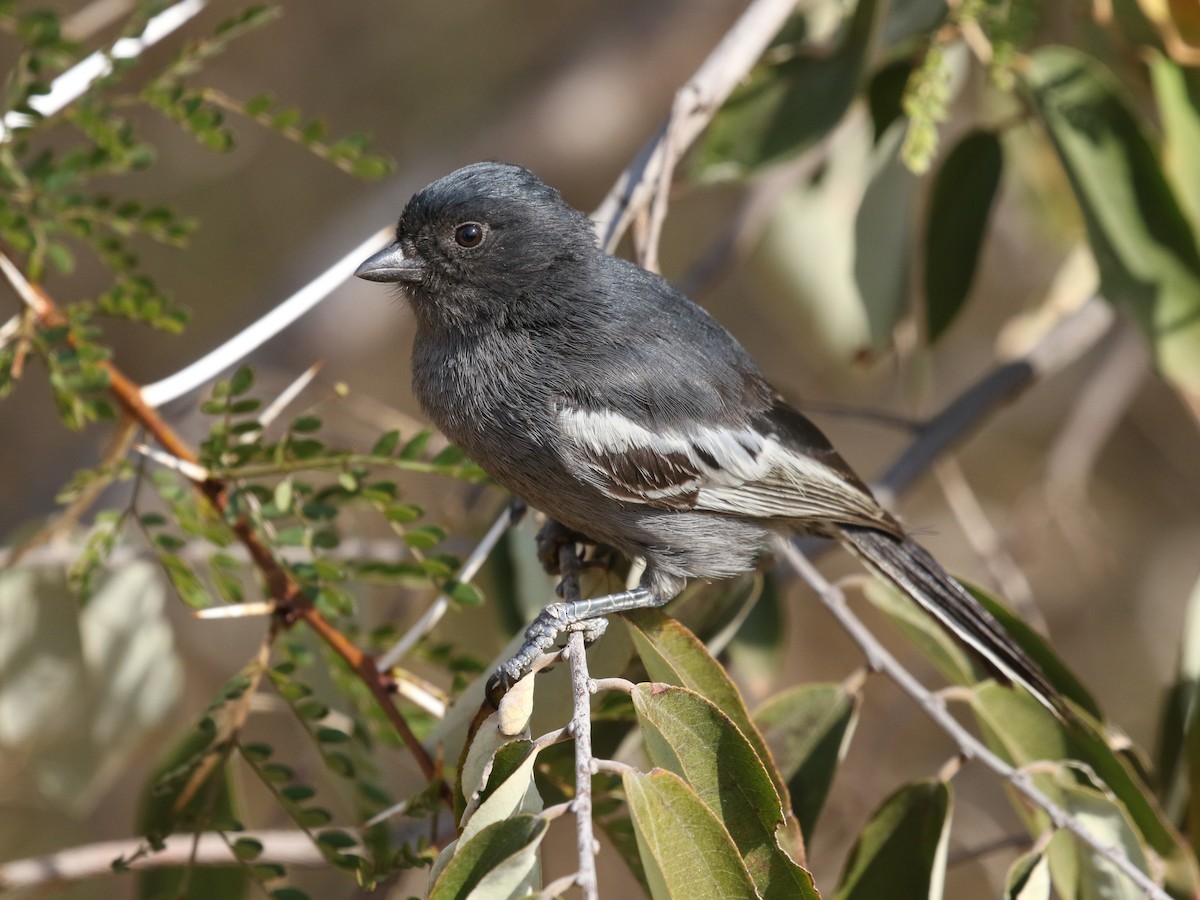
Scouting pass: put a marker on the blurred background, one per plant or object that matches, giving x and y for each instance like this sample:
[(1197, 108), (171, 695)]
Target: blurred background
[(1109, 545)]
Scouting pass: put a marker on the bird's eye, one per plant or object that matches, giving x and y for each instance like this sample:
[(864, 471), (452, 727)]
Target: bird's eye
[(468, 235)]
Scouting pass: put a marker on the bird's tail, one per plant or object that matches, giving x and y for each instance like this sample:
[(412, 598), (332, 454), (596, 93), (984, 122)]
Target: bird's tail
[(911, 568)]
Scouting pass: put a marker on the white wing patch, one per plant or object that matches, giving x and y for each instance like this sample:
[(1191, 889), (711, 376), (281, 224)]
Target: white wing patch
[(739, 472)]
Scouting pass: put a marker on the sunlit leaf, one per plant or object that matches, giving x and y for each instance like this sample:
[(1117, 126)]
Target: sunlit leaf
[(685, 850), (1146, 250)]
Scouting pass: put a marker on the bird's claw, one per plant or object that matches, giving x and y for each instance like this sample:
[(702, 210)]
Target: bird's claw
[(540, 637)]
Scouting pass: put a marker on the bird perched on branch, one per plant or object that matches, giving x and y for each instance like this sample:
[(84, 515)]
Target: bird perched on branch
[(601, 395)]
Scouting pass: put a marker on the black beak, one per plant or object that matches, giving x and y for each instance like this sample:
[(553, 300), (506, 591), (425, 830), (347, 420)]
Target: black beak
[(391, 265)]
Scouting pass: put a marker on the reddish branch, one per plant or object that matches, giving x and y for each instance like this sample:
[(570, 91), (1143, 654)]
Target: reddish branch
[(291, 603)]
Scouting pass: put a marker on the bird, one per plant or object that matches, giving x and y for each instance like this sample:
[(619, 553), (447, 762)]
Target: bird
[(601, 395)]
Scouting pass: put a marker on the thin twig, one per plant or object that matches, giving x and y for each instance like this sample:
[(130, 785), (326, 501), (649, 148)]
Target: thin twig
[(437, 609), (581, 729), (985, 540), (694, 106), (935, 707), (1075, 333), (250, 338), (73, 83), (291, 601)]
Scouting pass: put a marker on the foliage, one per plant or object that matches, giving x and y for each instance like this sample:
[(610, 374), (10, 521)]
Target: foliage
[(271, 512)]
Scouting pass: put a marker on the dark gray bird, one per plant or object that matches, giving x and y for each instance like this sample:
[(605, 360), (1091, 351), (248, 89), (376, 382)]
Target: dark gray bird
[(599, 394)]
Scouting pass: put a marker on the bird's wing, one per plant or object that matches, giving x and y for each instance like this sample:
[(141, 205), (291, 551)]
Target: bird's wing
[(763, 467)]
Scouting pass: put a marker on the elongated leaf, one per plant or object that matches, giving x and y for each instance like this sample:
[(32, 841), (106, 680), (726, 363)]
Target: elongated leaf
[(1179, 749), (1144, 245), (1028, 878), (510, 789), (902, 851), (1177, 90), (1078, 870), (1040, 652), (685, 850), (922, 629), (673, 655), (690, 736), (499, 861), (963, 194), (1021, 730), (756, 650), (789, 101), (808, 729), (883, 237)]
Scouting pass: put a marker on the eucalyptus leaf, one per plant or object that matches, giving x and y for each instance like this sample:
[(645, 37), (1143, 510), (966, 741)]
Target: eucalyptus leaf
[(964, 192), (689, 735), (902, 851), (1143, 243), (684, 848), (498, 861), (808, 728)]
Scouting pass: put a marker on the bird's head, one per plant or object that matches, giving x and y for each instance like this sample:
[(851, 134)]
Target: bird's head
[(482, 243)]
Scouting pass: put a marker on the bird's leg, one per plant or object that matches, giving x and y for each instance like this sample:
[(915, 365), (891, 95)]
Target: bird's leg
[(554, 536), (562, 616)]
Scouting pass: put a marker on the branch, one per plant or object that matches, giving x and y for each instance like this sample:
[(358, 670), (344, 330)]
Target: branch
[(259, 332), (969, 746), (291, 603), (581, 729), (73, 83), (695, 104)]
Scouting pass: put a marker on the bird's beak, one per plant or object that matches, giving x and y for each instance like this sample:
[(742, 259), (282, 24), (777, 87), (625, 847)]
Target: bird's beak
[(391, 265)]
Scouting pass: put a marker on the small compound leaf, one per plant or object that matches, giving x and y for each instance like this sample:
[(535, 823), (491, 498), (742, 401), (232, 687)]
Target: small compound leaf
[(684, 848), (690, 736), (498, 861), (964, 192), (902, 851), (808, 728)]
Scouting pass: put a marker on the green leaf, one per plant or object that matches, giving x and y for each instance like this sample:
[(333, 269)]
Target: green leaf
[(902, 851), (923, 630), (1179, 738), (684, 848), (498, 861), (673, 655), (1022, 731), (1143, 244), (808, 728), (1028, 878), (1177, 90), (964, 192), (690, 736), (242, 381), (788, 101), (1040, 652), (1076, 869), (386, 445), (883, 239)]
